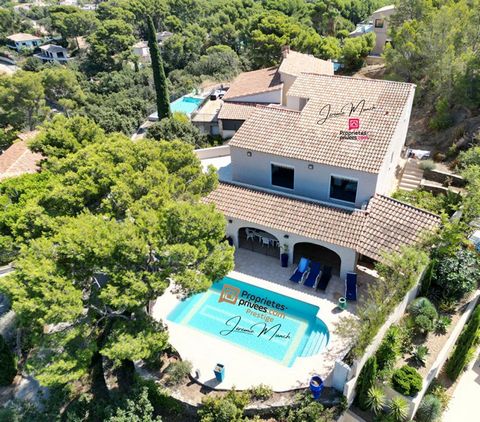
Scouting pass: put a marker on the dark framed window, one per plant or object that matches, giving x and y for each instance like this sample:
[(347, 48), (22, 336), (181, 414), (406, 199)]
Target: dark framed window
[(231, 124), (379, 23), (343, 189), (282, 176)]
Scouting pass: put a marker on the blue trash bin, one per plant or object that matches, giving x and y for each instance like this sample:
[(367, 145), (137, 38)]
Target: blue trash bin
[(219, 372), (316, 386)]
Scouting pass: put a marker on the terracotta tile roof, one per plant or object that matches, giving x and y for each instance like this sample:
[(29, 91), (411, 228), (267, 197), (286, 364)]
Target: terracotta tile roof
[(295, 63), (17, 160), (392, 223), (308, 136), (23, 37), (255, 82), (236, 111), (385, 226)]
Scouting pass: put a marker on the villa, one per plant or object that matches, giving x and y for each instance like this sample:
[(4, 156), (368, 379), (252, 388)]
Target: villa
[(304, 182), (53, 53), (23, 41)]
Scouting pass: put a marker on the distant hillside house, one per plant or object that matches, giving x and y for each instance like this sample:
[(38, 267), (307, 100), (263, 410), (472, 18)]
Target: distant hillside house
[(53, 53), (162, 36), (140, 49), (378, 24), (18, 159), (21, 41)]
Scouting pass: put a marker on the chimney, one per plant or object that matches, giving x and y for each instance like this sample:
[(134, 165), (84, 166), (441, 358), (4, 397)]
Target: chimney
[(285, 51)]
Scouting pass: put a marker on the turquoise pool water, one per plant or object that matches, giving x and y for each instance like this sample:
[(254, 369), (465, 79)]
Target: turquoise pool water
[(273, 325), (185, 104)]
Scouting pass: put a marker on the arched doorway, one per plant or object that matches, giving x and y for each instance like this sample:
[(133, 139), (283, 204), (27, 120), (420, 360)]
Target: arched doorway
[(259, 241), (319, 254)]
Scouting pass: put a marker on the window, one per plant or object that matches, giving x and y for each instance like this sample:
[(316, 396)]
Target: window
[(378, 23), (232, 124), (282, 176), (343, 189)]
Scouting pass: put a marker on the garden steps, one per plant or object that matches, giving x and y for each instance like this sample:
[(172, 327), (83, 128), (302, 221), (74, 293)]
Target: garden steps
[(412, 176)]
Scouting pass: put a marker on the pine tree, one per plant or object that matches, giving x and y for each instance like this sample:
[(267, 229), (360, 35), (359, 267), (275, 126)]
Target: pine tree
[(366, 380), (7, 364), (159, 79), (465, 342)]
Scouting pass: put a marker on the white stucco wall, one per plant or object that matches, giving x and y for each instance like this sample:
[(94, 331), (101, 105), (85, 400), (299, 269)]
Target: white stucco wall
[(386, 178), (381, 34), (347, 256), (270, 97), (311, 183)]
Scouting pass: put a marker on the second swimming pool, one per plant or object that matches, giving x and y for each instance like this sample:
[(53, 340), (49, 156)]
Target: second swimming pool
[(273, 325), (185, 104)]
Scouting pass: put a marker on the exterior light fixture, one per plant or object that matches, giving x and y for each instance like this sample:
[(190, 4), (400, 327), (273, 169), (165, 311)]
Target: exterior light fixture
[(310, 166), (249, 153), (286, 236), (230, 221)]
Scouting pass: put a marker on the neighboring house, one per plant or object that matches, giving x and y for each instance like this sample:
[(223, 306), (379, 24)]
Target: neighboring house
[(266, 86), (140, 49), (23, 41), (52, 53), (162, 36), (378, 24), (18, 159), (315, 174)]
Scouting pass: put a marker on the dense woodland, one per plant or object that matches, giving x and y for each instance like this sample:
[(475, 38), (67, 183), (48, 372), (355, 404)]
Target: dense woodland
[(108, 223)]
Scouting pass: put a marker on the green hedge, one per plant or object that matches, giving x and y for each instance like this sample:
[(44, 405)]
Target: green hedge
[(407, 381), (366, 380), (466, 341)]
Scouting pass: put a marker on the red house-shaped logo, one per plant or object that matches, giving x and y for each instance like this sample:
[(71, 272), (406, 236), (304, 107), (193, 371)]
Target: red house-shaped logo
[(353, 123)]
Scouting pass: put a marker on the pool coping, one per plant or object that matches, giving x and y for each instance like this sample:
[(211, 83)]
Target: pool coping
[(204, 350)]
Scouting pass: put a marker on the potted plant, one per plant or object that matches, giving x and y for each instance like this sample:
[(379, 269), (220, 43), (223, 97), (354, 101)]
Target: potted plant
[(284, 255)]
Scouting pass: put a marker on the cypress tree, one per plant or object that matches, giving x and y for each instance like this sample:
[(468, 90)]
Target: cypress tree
[(159, 79), (7, 364), (366, 380), (465, 342)]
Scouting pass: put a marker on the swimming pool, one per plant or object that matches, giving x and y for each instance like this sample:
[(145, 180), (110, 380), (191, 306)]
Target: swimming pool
[(276, 326), (185, 104)]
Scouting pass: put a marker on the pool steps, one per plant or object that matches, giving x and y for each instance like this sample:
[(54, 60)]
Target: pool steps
[(315, 343)]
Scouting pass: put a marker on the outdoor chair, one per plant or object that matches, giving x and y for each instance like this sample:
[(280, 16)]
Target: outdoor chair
[(351, 286), (313, 274), (251, 234), (300, 271), (324, 278)]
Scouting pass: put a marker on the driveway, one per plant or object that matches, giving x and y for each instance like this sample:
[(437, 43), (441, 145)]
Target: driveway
[(9, 69), (464, 404)]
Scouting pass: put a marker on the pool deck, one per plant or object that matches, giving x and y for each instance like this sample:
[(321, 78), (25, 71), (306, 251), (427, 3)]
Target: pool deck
[(243, 368)]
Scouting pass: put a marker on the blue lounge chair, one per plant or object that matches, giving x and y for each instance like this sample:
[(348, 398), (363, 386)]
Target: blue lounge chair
[(315, 269), (325, 278), (351, 286), (300, 271)]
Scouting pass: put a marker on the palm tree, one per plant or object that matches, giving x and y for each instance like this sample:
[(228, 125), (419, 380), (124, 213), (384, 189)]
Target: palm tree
[(376, 399)]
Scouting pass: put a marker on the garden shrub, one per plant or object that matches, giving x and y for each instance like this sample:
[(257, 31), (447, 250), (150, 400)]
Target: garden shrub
[(430, 409), (427, 165), (366, 381), (443, 116), (465, 343), (424, 315), (407, 381), (420, 355), (228, 408), (261, 392), (442, 324), (376, 399), (457, 275), (440, 392), (389, 349), (397, 409), (306, 409), (178, 371), (8, 367)]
